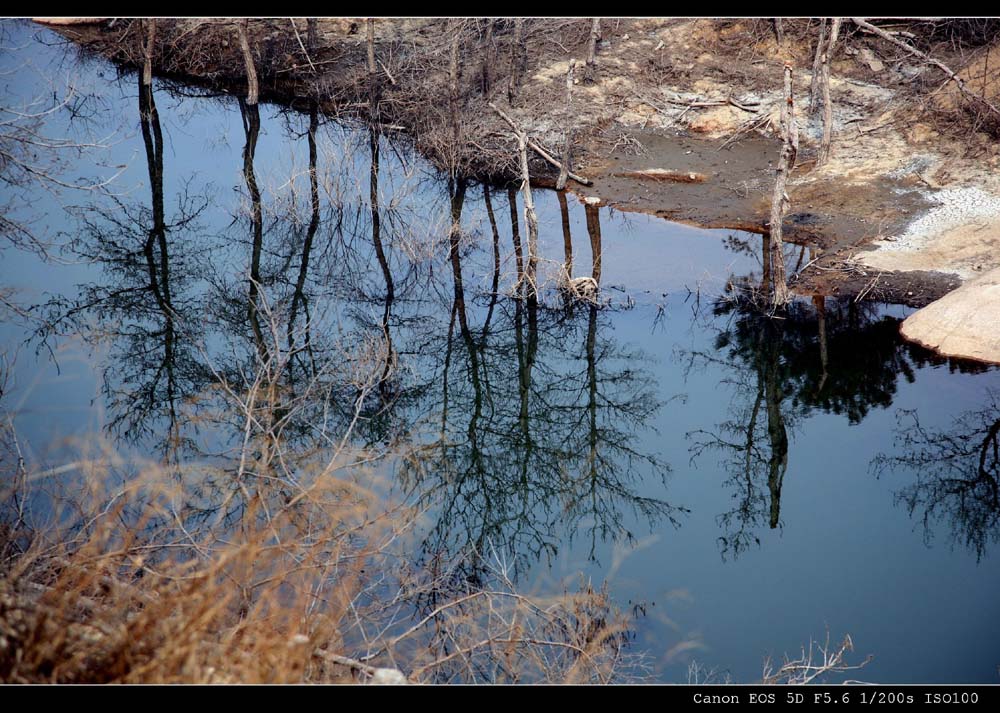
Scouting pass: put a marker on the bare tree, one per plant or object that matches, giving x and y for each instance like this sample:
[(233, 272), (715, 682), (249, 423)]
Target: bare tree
[(814, 662), (518, 59), (595, 36), (253, 87), (779, 199), (779, 32), (568, 136), (824, 148), (530, 217), (814, 82), (488, 58), (147, 66)]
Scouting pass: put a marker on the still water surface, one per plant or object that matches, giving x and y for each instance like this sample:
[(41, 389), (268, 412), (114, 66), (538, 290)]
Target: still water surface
[(744, 484)]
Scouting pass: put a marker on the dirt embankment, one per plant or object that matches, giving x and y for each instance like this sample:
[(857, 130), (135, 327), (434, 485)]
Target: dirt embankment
[(906, 210)]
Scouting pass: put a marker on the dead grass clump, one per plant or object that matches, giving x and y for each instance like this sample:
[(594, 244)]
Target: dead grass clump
[(231, 573)]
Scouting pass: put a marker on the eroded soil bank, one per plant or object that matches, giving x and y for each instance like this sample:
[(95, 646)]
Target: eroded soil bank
[(676, 117)]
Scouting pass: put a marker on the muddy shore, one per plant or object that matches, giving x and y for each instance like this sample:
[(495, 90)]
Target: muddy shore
[(673, 96)]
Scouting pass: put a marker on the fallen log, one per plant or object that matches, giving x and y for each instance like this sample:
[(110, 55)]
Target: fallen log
[(59, 21), (664, 175)]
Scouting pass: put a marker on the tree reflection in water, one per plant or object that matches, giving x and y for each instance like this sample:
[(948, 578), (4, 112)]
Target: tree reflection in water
[(144, 309), (539, 411), (955, 474), (539, 416), (826, 355)]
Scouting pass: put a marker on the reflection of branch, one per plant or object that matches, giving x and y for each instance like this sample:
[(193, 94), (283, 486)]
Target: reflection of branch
[(536, 445), (956, 473)]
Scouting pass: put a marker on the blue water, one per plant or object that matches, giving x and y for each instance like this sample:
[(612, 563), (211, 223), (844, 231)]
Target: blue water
[(563, 441)]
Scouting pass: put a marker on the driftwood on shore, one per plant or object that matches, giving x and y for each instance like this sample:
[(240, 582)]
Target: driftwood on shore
[(661, 175), (60, 21)]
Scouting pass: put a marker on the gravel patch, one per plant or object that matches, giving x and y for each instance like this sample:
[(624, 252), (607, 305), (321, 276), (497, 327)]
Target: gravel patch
[(956, 207)]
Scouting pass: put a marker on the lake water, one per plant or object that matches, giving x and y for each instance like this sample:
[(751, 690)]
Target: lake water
[(744, 484)]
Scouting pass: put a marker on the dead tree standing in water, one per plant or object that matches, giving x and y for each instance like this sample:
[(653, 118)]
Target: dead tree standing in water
[(779, 200), (530, 218)]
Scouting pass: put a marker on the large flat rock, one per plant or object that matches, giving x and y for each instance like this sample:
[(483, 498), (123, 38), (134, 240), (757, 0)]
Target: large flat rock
[(963, 323)]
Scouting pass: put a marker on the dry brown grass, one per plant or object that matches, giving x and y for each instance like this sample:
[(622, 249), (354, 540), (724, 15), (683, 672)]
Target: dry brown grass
[(125, 586), (283, 563)]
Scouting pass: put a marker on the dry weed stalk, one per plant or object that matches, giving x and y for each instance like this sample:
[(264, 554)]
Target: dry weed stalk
[(819, 659)]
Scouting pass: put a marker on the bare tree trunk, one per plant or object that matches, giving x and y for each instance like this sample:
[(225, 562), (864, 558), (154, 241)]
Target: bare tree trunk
[(779, 32), (312, 34), (779, 200), (147, 66), (595, 36), (518, 57), (568, 137), (371, 46), (824, 147), (456, 27), (530, 217), (253, 89), (486, 70), (817, 70), (372, 74)]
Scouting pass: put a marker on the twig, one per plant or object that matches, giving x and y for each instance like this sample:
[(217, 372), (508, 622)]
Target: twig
[(910, 49), (299, 38), (538, 149)]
